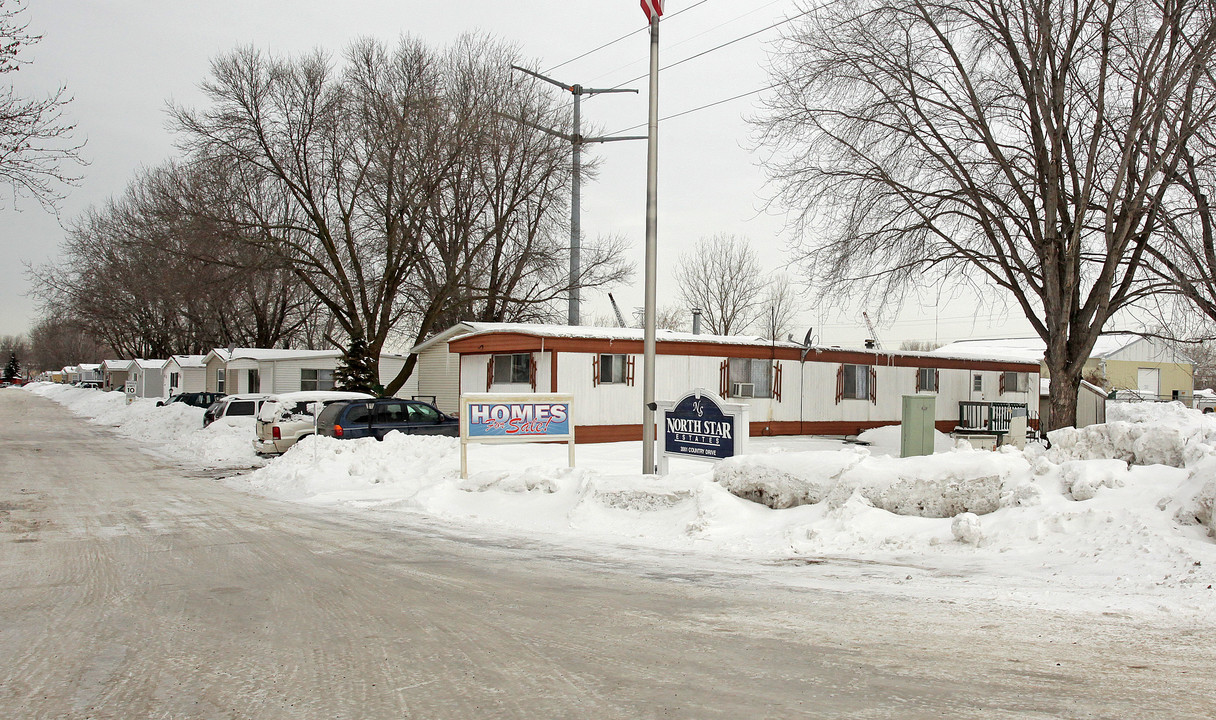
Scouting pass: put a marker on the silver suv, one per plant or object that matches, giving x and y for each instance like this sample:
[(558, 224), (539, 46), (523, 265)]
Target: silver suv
[(286, 418)]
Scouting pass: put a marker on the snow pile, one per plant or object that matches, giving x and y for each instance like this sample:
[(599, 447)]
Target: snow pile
[(1141, 434), (174, 431), (937, 486)]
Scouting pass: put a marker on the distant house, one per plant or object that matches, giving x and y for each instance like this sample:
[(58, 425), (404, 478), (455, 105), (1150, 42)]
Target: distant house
[(261, 370), (70, 374), (146, 374), (114, 374), (184, 373), (790, 390), (90, 372), (1143, 368)]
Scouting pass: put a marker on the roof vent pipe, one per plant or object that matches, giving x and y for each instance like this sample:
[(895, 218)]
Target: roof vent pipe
[(696, 321)]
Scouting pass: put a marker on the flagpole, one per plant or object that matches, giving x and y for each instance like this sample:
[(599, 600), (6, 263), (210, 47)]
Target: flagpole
[(652, 222)]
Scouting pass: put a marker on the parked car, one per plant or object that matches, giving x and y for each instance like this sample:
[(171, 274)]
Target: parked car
[(194, 399), (377, 418), (286, 418), (234, 409)]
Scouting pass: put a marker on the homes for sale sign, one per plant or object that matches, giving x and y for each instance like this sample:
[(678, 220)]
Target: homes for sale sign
[(519, 419), (512, 418)]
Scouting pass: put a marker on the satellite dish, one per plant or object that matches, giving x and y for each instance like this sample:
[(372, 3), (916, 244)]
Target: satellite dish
[(806, 342)]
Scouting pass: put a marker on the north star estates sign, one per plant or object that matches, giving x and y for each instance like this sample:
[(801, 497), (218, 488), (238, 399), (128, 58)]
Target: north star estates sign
[(701, 426)]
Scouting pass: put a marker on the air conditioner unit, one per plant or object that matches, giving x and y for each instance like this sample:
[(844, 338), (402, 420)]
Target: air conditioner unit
[(743, 390)]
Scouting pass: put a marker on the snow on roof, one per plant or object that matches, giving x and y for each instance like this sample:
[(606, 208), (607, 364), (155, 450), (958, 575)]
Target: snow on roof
[(149, 363), (189, 361), (279, 354), (469, 329), (1045, 387), (89, 366), (1029, 349), (115, 364), (466, 329)]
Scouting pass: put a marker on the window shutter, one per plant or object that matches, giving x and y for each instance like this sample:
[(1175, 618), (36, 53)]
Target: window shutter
[(1002, 387), (489, 373), (918, 387), (723, 378), (595, 370), (873, 385), (629, 371), (839, 384), (532, 370), (777, 380), (936, 380)]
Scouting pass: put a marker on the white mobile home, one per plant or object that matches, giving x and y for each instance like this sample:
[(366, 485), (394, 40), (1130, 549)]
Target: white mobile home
[(90, 372), (114, 374), (254, 370), (146, 374), (184, 373), (790, 390)]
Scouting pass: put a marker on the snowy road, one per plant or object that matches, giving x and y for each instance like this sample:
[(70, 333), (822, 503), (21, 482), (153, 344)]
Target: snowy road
[(129, 589)]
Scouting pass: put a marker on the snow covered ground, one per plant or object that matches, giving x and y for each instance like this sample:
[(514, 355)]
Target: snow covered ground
[(1115, 518)]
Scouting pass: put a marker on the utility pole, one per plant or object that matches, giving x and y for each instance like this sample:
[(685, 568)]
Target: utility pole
[(577, 141), (653, 9)]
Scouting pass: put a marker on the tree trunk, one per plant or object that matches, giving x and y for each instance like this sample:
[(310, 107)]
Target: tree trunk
[(1065, 382)]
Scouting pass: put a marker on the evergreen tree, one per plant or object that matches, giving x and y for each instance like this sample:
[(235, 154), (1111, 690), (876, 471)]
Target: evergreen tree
[(355, 371), (13, 368)]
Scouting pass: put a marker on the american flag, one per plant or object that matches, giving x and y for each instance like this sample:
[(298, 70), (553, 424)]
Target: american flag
[(652, 7)]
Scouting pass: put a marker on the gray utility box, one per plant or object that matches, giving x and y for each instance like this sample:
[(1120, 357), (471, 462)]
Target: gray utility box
[(917, 425)]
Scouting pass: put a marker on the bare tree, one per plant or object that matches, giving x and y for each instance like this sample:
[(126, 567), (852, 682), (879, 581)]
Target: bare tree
[(56, 342), (779, 308), (722, 277), (673, 317), (1027, 147), (36, 141), (919, 345), (150, 276), (390, 187)]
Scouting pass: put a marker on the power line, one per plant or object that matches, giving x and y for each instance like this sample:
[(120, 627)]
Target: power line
[(687, 40), (716, 48), (629, 34), (702, 107)]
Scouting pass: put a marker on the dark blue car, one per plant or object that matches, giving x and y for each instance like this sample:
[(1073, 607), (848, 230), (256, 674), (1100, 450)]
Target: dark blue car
[(377, 418)]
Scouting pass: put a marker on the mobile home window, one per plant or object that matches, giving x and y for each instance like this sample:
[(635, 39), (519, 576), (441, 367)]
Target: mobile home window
[(316, 379), (926, 379), (175, 380), (857, 382), (613, 368), (1017, 382), (516, 368), (977, 383), (255, 382), (219, 381), (751, 377)]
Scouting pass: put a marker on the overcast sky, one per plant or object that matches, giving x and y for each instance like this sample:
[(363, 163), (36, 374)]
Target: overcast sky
[(124, 60)]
